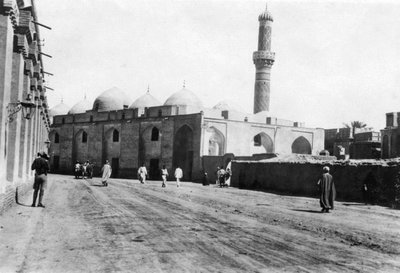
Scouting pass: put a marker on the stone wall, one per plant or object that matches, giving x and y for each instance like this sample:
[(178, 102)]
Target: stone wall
[(21, 80), (300, 178)]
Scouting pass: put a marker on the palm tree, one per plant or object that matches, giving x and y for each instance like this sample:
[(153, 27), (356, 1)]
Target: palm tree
[(355, 124)]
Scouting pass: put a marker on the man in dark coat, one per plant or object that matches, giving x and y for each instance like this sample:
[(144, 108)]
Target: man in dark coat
[(41, 167), (327, 190)]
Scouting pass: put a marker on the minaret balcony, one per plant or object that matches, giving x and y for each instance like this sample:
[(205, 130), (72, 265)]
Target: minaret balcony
[(263, 55)]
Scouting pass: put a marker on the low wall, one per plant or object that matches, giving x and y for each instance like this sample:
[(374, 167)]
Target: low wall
[(300, 178)]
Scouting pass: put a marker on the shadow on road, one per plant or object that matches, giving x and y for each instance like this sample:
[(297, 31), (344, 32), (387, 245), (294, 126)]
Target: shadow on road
[(307, 210), (354, 204), (17, 200)]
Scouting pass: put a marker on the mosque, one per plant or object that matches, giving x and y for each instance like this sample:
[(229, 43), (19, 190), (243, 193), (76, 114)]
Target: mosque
[(178, 132)]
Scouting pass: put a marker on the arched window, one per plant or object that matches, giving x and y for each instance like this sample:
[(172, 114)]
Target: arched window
[(257, 140), (56, 138), (115, 136), (301, 146), (159, 113), (63, 120), (155, 134), (84, 137)]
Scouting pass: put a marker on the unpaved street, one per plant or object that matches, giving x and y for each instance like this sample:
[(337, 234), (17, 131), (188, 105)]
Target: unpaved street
[(131, 227)]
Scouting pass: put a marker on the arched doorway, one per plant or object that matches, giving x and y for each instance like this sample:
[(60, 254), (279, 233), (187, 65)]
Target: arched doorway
[(183, 151), (301, 146), (262, 143), (112, 150), (150, 151), (80, 149), (215, 141)]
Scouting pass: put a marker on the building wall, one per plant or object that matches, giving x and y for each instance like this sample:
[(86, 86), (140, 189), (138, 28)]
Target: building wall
[(134, 146), (300, 178), (239, 137), (21, 74)]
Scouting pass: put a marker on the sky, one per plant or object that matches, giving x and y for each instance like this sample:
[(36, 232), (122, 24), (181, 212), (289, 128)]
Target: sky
[(336, 61)]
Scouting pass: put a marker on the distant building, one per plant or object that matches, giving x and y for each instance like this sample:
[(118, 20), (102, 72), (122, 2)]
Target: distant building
[(178, 132), (391, 136), (365, 144)]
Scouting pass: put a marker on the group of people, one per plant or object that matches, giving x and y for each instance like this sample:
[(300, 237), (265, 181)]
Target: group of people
[(142, 174), (84, 170), (41, 167)]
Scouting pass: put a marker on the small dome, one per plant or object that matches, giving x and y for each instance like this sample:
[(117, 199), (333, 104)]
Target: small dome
[(111, 100), (80, 107), (59, 109), (228, 105), (265, 16), (184, 97), (147, 100)]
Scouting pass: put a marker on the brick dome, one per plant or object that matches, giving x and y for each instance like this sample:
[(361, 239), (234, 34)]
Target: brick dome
[(59, 109), (147, 100), (80, 107), (184, 97), (111, 100)]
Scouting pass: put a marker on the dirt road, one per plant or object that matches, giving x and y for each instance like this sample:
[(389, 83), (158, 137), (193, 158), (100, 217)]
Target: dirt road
[(131, 227)]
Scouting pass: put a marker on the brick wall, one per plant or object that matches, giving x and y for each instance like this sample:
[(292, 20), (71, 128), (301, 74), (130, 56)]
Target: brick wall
[(301, 178)]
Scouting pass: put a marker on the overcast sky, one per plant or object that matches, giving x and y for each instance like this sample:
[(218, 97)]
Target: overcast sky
[(336, 61)]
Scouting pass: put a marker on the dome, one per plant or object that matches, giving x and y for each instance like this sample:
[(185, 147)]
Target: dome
[(111, 100), (228, 105), (59, 109), (265, 16), (184, 97), (147, 100), (80, 107)]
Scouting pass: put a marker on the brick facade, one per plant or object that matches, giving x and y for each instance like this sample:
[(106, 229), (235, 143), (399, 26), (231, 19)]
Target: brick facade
[(21, 136)]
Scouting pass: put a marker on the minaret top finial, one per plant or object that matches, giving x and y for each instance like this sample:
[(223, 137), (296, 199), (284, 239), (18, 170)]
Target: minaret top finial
[(265, 16), (148, 88), (62, 99), (84, 97)]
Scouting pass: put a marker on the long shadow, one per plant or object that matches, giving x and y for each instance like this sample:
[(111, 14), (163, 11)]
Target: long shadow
[(307, 210), (355, 204), (17, 200), (94, 185)]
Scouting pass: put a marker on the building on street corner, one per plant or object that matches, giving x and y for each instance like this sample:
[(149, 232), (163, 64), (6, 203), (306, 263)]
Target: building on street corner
[(24, 119)]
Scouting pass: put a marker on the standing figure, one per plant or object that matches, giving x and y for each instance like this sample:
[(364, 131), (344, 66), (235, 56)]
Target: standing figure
[(205, 179), (142, 173), (89, 170), (41, 167), (164, 175), (327, 190), (221, 176), (106, 170), (84, 169), (178, 176), (77, 169)]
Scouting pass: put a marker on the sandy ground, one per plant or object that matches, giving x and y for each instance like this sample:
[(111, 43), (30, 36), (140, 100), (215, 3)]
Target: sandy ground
[(131, 227)]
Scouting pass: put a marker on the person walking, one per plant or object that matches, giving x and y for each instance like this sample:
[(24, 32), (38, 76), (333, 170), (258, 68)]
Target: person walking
[(106, 170), (41, 167), (327, 190), (178, 176), (164, 175), (142, 173)]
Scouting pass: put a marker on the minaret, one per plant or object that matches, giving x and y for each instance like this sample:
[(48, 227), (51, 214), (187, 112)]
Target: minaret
[(263, 59)]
